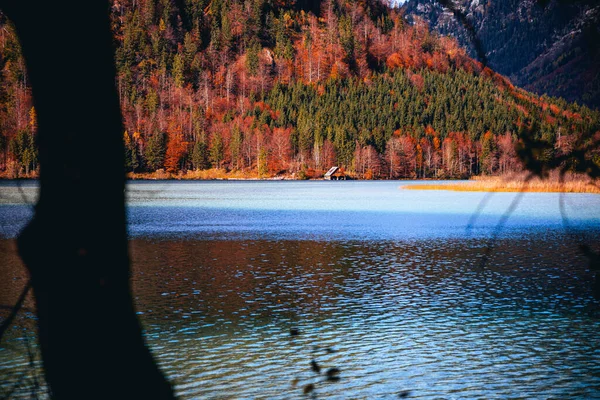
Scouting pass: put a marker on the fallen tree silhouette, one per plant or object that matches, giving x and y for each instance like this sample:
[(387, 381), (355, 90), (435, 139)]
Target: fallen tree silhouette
[(75, 247)]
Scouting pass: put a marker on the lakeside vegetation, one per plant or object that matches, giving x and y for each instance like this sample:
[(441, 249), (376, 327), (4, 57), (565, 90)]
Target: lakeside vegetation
[(263, 88), (517, 183), (504, 183)]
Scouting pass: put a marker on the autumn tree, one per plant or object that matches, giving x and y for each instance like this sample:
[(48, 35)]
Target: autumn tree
[(342, 74), (175, 152)]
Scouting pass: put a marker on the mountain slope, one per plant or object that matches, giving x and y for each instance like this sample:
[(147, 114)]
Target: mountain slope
[(549, 47), (267, 87)]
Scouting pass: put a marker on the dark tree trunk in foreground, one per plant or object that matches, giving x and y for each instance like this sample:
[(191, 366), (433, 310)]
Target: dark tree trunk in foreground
[(76, 245)]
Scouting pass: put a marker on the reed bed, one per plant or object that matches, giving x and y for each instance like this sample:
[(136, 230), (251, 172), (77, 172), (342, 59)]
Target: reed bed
[(517, 183), (207, 174)]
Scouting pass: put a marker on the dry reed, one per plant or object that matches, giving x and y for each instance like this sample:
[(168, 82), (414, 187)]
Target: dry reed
[(517, 183), (207, 174)]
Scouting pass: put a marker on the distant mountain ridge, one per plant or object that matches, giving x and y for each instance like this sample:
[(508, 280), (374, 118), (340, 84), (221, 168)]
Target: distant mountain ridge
[(547, 47)]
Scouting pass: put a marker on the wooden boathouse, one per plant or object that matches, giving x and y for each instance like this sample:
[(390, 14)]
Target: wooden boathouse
[(335, 174)]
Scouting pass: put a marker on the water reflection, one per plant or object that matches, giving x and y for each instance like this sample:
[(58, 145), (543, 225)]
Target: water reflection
[(391, 315), (412, 315)]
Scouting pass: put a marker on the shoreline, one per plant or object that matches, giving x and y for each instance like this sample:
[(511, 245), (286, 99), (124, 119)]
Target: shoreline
[(511, 184), (504, 184)]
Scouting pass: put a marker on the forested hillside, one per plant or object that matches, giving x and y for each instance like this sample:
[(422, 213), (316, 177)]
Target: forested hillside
[(272, 87)]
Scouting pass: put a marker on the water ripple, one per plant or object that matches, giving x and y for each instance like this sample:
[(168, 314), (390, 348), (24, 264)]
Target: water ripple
[(392, 316)]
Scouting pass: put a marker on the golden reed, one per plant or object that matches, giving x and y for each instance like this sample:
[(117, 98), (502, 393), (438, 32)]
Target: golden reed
[(517, 183)]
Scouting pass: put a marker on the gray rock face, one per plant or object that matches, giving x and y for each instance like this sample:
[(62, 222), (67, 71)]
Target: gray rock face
[(546, 46)]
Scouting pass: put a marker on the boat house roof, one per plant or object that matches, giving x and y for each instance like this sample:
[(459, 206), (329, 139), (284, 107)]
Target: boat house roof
[(331, 171)]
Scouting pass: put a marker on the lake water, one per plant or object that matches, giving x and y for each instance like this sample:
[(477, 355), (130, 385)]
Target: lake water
[(403, 291)]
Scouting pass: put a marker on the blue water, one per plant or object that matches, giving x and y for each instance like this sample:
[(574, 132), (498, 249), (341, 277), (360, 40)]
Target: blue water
[(321, 210), (401, 290), (340, 210)]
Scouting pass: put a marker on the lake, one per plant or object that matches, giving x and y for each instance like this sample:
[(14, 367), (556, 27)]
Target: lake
[(430, 294)]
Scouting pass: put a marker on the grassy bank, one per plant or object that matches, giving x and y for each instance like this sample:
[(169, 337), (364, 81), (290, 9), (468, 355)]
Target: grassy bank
[(517, 183), (208, 174), (507, 183)]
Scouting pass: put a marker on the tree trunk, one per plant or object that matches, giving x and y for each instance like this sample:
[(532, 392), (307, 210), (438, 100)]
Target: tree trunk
[(76, 245)]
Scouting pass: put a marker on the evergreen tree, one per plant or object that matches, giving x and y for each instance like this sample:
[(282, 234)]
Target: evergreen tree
[(24, 150), (155, 151), (235, 146), (200, 155), (252, 57), (132, 161), (178, 66), (217, 150)]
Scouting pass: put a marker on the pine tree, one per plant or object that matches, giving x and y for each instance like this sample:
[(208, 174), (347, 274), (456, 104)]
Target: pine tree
[(155, 151), (200, 155), (252, 57), (217, 150), (235, 146), (178, 66)]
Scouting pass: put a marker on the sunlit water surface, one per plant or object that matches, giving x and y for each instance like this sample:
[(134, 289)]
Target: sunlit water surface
[(391, 286)]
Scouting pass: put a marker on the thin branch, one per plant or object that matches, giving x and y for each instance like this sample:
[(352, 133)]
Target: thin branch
[(482, 204), (561, 202), (18, 384), (31, 357), (24, 197), (8, 321), (500, 225)]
